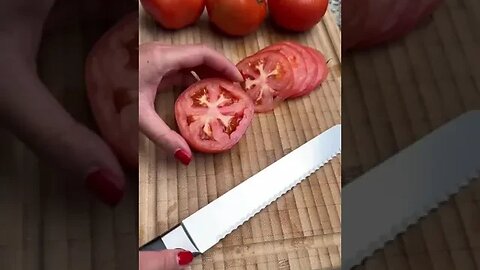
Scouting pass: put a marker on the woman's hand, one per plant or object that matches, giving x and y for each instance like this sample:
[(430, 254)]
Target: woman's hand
[(164, 260), (32, 113), (161, 66)]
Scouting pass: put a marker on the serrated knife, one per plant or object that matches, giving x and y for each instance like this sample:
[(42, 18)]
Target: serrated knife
[(206, 227), (383, 202)]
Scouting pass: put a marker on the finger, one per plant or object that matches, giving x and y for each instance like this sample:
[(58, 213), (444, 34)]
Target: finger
[(165, 260), (160, 133), (191, 56), (39, 120)]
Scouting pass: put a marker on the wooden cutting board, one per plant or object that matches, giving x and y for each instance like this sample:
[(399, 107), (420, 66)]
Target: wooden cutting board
[(301, 230), (396, 95)]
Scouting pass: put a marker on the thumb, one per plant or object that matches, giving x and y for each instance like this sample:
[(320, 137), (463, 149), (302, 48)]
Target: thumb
[(165, 260)]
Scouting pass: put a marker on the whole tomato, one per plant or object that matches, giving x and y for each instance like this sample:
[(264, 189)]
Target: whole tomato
[(237, 17), (174, 14), (297, 15)]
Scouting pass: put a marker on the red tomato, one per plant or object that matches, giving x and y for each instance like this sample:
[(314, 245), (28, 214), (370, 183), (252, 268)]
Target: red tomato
[(237, 17), (312, 67), (111, 74), (213, 115), (174, 14), (297, 15), (322, 69), (354, 17), (297, 63), (268, 79)]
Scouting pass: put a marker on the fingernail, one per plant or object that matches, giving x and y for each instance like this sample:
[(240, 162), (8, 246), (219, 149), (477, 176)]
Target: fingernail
[(183, 157), (106, 186), (184, 257)]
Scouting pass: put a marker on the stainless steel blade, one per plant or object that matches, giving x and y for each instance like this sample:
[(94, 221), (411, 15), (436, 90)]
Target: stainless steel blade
[(214, 221), (387, 199), (204, 228)]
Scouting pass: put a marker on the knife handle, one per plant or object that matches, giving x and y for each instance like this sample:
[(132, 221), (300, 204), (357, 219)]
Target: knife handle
[(175, 238), (156, 244)]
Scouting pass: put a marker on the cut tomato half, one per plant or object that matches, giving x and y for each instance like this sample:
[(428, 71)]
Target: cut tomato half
[(297, 63), (111, 74), (213, 114), (268, 79)]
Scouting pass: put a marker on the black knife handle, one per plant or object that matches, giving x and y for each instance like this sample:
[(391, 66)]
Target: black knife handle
[(156, 244), (176, 237)]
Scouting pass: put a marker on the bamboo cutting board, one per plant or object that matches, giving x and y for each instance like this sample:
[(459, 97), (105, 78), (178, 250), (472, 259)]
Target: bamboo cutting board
[(398, 94), (301, 230)]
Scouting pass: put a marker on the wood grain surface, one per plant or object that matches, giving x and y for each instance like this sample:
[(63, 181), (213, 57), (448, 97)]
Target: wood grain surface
[(301, 230), (397, 94)]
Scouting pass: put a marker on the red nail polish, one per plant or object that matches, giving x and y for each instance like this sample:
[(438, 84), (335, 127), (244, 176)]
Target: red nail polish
[(184, 257), (183, 157), (106, 186)]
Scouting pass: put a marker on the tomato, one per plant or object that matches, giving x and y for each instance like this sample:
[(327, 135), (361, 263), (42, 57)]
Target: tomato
[(111, 74), (237, 17), (174, 14), (297, 63), (354, 17), (312, 67), (268, 79), (213, 114), (322, 69), (297, 15)]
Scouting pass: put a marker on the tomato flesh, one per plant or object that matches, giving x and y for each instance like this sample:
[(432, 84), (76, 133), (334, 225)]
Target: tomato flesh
[(213, 115), (297, 63), (268, 79)]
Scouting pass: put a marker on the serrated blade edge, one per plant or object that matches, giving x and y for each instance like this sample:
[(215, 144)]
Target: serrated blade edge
[(383, 202), (213, 222)]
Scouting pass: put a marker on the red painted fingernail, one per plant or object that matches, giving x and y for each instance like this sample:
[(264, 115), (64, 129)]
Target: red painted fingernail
[(184, 257), (183, 157), (106, 186)]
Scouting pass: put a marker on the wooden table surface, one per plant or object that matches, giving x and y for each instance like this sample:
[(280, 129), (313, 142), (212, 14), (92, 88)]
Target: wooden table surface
[(301, 230), (397, 94)]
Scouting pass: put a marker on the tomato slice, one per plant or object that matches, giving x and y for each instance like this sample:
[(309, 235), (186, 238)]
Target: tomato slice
[(313, 69), (354, 19), (378, 12), (268, 79), (297, 62), (322, 72), (213, 114), (111, 74)]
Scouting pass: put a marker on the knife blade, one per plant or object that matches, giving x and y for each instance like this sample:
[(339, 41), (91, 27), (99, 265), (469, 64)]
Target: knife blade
[(206, 227), (383, 202)]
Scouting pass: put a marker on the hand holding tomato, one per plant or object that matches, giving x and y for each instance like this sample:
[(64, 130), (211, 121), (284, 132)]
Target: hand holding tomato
[(30, 111), (162, 66)]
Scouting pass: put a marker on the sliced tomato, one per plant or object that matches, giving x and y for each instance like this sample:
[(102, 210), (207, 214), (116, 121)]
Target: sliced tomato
[(354, 18), (322, 69), (398, 8), (378, 12), (111, 74), (213, 114), (268, 79), (297, 63), (312, 67)]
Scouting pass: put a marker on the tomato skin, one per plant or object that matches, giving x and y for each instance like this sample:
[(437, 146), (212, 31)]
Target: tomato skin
[(192, 118), (174, 14), (297, 15), (237, 17)]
